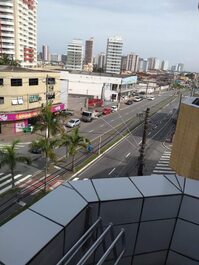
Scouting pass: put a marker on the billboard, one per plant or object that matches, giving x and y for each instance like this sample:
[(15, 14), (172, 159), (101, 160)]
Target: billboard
[(129, 80)]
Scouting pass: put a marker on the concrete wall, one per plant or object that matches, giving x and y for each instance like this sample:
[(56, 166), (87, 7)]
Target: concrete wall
[(185, 151)]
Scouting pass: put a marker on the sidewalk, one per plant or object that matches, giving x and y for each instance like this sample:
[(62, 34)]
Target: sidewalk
[(23, 137)]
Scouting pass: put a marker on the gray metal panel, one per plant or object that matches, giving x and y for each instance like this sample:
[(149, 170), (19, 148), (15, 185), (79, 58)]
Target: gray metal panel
[(157, 207), (61, 205), (176, 259), (155, 185), (157, 258), (121, 212), (186, 239), (123, 261), (174, 180), (115, 189), (24, 236), (154, 235), (190, 209), (86, 189), (192, 187)]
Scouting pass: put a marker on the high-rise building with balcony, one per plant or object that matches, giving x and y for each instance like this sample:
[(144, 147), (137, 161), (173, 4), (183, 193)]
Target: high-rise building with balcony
[(101, 60), (114, 55), (75, 55), (18, 30)]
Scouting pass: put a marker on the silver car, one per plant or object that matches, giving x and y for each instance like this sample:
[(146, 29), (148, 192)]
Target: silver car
[(73, 123)]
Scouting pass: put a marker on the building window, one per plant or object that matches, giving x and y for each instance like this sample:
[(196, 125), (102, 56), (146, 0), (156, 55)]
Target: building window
[(51, 81), (1, 100), (17, 101), (1, 81), (16, 82), (34, 98), (33, 82), (50, 95)]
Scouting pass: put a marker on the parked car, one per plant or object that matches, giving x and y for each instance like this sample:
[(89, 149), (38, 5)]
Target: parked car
[(129, 102), (137, 99), (67, 112), (150, 97), (106, 111), (73, 123), (36, 150), (114, 108)]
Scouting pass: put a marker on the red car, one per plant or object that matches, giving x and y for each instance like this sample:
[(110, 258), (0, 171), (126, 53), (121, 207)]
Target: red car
[(106, 111)]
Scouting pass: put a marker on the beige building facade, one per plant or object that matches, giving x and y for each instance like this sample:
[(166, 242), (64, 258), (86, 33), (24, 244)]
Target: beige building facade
[(18, 30), (185, 151), (22, 93)]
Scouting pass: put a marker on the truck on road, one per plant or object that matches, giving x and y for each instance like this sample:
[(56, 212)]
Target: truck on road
[(88, 116)]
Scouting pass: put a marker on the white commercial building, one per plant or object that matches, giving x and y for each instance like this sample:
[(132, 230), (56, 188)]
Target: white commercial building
[(75, 55), (18, 30), (90, 85), (114, 55)]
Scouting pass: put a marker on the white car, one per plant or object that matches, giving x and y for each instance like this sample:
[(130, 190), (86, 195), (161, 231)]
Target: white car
[(73, 123), (137, 99), (114, 108), (151, 98)]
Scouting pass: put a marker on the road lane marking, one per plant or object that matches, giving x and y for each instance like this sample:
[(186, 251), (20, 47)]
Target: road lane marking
[(149, 133), (75, 179), (111, 171), (111, 120), (91, 131), (56, 167), (140, 142), (128, 155), (101, 125)]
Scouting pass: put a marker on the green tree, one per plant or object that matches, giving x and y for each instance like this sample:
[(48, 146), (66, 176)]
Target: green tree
[(10, 157), (64, 141), (5, 60), (47, 147), (47, 121), (75, 141)]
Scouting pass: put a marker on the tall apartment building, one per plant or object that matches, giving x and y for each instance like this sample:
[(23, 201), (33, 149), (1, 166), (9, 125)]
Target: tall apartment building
[(142, 65), (45, 53), (18, 30), (75, 55), (124, 63), (101, 61), (180, 67), (165, 65), (132, 62), (88, 51), (114, 55), (153, 63)]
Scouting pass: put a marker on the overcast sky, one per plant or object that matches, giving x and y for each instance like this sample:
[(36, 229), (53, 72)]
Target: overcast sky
[(167, 29)]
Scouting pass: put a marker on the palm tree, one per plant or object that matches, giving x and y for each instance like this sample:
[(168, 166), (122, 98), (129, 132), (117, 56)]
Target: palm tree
[(5, 60), (47, 121), (10, 157), (47, 147), (64, 141), (74, 142)]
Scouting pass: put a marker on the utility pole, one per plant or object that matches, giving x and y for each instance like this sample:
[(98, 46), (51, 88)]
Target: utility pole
[(143, 144)]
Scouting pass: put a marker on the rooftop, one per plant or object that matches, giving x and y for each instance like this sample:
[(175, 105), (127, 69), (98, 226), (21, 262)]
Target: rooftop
[(132, 221)]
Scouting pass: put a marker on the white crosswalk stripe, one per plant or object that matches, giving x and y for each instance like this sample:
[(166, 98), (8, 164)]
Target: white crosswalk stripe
[(6, 181), (19, 145), (163, 166)]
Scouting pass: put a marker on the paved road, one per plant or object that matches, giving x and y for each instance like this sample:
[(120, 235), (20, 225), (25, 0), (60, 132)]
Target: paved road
[(121, 161), (89, 130)]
